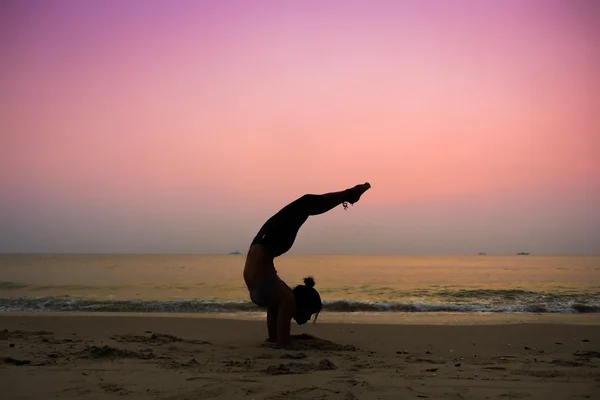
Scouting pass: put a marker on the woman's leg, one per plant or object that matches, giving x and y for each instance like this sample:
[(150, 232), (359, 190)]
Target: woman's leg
[(321, 203), (315, 204), (279, 232)]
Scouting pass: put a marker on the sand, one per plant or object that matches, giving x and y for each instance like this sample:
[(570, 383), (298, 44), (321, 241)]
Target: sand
[(82, 356)]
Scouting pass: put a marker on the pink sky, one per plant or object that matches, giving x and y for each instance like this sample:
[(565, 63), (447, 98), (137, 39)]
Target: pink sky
[(181, 126)]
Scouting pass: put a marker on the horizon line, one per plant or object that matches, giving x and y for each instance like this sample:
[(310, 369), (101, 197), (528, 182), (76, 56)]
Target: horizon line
[(297, 254)]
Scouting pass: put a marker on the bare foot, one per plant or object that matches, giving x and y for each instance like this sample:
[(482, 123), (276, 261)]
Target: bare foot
[(357, 191)]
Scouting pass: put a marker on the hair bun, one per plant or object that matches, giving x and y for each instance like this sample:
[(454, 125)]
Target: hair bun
[(309, 282)]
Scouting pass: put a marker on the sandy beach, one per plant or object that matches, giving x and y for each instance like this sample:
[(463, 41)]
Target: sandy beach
[(83, 356)]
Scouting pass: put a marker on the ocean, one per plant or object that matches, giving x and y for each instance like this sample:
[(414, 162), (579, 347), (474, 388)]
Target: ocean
[(347, 283)]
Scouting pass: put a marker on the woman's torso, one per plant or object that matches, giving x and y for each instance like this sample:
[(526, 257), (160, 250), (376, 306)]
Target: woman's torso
[(259, 265)]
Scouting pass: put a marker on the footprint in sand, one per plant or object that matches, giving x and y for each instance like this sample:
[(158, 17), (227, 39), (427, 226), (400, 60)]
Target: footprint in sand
[(299, 368), (112, 352), (6, 334), (154, 338), (17, 362), (307, 342), (113, 387)]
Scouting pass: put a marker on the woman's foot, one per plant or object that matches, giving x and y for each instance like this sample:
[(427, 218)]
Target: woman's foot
[(357, 191)]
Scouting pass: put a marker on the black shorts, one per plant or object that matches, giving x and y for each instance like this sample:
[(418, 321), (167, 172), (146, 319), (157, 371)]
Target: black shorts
[(262, 293)]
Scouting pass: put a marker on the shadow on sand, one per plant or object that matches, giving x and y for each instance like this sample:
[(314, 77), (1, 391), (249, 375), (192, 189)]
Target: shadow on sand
[(306, 342)]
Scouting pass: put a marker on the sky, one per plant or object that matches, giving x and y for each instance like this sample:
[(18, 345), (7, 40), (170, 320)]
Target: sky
[(181, 126)]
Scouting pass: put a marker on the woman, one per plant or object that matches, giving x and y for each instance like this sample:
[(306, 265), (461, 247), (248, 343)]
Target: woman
[(275, 238)]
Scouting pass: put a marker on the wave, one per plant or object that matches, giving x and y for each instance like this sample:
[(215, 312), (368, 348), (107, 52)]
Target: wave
[(361, 306), (65, 303)]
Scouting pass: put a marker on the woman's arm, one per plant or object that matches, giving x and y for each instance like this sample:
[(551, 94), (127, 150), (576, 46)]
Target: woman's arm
[(281, 315), (272, 324), (284, 319)]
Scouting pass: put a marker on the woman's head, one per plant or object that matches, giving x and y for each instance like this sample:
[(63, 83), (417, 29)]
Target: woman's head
[(308, 301)]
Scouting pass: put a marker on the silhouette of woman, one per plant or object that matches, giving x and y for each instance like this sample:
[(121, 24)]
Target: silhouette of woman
[(275, 238)]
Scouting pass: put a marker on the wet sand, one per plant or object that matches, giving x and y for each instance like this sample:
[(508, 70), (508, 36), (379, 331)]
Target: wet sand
[(83, 356)]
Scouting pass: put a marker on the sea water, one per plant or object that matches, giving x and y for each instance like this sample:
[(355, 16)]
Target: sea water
[(347, 283)]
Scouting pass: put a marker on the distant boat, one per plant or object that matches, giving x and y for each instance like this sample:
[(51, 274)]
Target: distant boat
[(522, 254), (234, 253)]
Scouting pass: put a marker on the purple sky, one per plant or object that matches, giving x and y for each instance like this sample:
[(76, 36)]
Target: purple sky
[(181, 126)]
